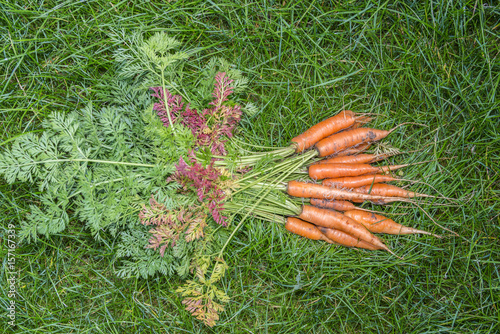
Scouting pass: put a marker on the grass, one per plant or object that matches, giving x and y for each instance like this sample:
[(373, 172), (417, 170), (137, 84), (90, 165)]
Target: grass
[(435, 63)]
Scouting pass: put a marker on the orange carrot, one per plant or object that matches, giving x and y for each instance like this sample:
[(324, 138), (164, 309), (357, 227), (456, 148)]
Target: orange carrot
[(383, 201), (360, 121), (349, 159), (346, 239), (354, 150), (337, 205), (323, 129), (357, 181), (311, 190), (305, 229), (380, 224), (355, 159), (333, 219), (333, 204), (387, 190), (323, 171), (343, 140)]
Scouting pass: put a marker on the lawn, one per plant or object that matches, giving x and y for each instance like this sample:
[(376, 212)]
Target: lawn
[(434, 63)]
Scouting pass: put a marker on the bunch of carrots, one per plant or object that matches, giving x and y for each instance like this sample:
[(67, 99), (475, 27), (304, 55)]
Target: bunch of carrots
[(347, 177)]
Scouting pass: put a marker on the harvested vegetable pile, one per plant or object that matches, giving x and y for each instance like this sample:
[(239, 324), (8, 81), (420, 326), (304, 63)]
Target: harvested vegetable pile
[(160, 168)]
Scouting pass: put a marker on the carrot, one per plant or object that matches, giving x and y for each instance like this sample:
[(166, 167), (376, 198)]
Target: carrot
[(340, 141), (337, 205), (383, 201), (387, 190), (380, 224), (311, 190), (346, 239), (354, 150), (323, 129), (305, 229), (336, 220), (346, 139), (355, 159), (333, 204), (360, 121), (349, 159), (357, 181), (323, 171)]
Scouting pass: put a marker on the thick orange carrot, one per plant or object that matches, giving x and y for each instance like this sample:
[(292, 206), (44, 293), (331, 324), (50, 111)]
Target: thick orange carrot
[(354, 150), (336, 220), (323, 171), (357, 181), (387, 190), (305, 229), (343, 140), (323, 129), (311, 190), (380, 224), (346, 239)]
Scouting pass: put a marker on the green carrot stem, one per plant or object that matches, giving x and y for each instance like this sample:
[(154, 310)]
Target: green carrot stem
[(270, 217), (281, 186), (284, 166), (265, 147), (250, 160), (305, 157), (283, 150), (165, 99), (252, 208), (252, 183)]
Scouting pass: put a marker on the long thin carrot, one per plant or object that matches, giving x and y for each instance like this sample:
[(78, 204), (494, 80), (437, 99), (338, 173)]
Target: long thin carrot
[(355, 159), (340, 205), (343, 140), (333, 219), (380, 224), (345, 239), (360, 121), (323, 171), (357, 181), (387, 190), (333, 204), (323, 129), (383, 201), (305, 229), (354, 150), (311, 190), (349, 159)]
